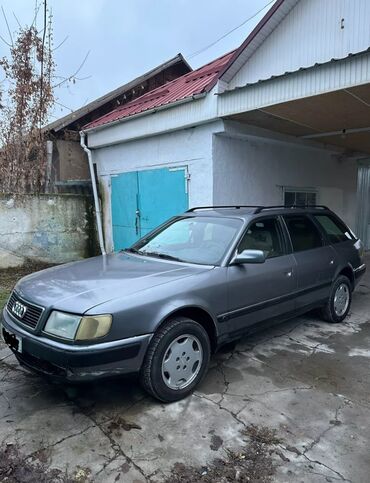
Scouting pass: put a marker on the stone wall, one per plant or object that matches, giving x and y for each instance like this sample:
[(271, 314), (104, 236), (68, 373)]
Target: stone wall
[(54, 228)]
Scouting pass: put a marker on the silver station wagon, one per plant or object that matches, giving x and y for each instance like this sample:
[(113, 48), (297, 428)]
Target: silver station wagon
[(199, 281)]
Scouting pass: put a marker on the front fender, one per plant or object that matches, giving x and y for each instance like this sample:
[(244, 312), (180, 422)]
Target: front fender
[(172, 309), (143, 312)]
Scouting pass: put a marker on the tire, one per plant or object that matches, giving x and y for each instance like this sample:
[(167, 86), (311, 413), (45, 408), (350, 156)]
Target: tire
[(342, 287), (165, 358)]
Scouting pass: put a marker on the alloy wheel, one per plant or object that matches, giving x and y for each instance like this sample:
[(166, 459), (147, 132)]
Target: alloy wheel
[(182, 362)]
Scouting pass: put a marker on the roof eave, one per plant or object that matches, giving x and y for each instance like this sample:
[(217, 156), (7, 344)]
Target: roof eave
[(143, 113), (246, 42)]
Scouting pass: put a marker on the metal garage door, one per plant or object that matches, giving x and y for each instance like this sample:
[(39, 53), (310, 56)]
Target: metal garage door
[(142, 200), (363, 203)]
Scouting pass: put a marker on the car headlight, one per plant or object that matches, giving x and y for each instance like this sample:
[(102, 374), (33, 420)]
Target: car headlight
[(75, 327), (94, 327)]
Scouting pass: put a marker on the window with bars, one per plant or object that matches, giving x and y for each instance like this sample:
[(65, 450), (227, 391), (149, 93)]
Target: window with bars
[(300, 197)]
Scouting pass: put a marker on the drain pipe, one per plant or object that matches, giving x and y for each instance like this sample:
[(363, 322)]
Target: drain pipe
[(98, 213)]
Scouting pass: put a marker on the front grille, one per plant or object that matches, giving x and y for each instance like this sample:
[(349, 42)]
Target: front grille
[(32, 314)]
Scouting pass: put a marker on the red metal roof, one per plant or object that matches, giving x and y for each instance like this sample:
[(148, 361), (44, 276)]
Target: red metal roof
[(188, 85)]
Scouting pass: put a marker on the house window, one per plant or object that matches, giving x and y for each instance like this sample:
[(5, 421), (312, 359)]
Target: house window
[(300, 197)]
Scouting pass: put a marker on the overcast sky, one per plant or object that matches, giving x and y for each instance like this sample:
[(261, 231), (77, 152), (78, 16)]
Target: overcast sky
[(126, 38)]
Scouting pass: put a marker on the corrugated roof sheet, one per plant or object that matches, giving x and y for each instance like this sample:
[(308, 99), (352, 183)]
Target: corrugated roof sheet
[(110, 96), (186, 86)]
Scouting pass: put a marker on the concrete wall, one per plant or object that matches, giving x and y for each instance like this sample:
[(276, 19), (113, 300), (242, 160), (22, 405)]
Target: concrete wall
[(189, 147), (254, 171), (70, 161), (49, 228)]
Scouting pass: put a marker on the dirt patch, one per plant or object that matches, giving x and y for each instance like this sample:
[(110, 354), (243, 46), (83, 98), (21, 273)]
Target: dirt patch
[(10, 276), (254, 463), (15, 468), (216, 442), (118, 424)]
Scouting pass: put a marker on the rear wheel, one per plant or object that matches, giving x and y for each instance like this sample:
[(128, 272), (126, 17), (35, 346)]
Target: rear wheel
[(177, 359), (339, 301)]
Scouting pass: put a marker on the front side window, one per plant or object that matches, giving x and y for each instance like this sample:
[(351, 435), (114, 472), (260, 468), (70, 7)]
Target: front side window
[(335, 230), (303, 233), (201, 239), (263, 235)]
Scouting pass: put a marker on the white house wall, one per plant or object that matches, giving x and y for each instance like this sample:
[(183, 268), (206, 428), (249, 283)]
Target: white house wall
[(313, 32), (189, 147), (255, 171)]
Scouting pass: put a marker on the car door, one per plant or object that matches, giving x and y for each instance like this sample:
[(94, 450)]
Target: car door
[(258, 292), (316, 261), (341, 238)]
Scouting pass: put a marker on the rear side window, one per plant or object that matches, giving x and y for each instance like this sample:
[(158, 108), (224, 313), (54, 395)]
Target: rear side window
[(263, 235), (303, 233), (335, 230)]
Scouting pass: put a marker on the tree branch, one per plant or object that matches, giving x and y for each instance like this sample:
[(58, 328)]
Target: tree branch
[(61, 43), (7, 24), (42, 67), (16, 19), (69, 78)]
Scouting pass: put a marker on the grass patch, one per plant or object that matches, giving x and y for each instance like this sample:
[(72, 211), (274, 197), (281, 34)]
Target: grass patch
[(4, 294)]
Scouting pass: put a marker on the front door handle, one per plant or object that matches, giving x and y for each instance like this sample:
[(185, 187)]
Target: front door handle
[(289, 273)]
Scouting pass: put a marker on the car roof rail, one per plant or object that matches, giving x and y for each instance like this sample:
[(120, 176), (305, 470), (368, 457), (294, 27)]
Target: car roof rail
[(195, 208), (281, 207)]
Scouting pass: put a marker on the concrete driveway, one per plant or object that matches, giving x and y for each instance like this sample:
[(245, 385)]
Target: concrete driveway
[(289, 404)]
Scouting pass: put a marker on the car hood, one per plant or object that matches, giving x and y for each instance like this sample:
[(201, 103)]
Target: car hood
[(79, 286)]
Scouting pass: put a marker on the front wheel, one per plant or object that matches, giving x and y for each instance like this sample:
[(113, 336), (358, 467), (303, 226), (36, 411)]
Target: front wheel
[(177, 359), (339, 301)]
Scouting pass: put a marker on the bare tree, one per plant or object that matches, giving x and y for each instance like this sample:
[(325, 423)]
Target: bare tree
[(25, 105)]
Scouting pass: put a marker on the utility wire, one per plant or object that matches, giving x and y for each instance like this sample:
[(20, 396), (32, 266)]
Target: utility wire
[(197, 52)]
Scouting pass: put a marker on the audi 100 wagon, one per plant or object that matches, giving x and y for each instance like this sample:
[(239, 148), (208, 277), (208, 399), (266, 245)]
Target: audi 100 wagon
[(161, 307)]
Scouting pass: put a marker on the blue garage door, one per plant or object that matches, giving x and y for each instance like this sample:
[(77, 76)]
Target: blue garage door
[(142, 200)]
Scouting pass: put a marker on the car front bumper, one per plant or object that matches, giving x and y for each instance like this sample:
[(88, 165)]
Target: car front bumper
[(75, 363)]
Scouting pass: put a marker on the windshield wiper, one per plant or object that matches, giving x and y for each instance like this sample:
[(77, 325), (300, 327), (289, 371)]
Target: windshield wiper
[(161, 255), (152, 254), (132, 250)]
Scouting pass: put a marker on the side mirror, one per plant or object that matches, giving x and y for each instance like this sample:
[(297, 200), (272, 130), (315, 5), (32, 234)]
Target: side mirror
[(249, 256)]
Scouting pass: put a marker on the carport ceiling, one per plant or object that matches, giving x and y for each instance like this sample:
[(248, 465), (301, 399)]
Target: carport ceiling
[(340, 118)]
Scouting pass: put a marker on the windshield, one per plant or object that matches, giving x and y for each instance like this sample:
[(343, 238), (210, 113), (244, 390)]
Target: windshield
[(201, 240)]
